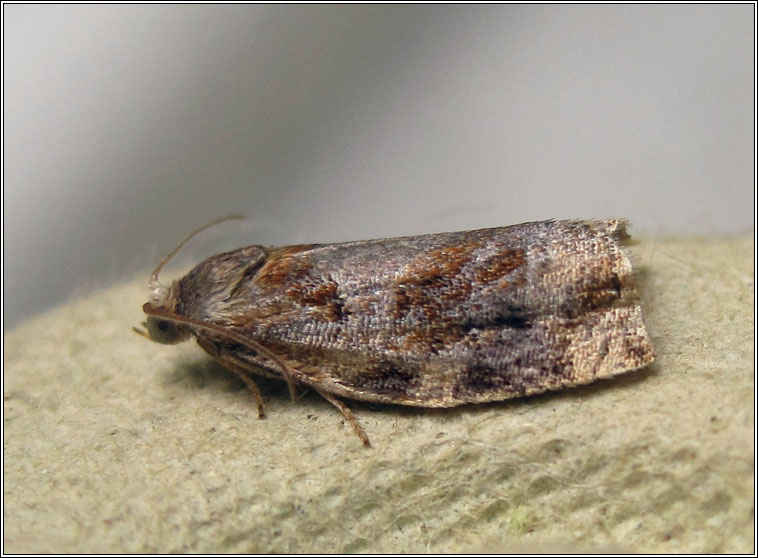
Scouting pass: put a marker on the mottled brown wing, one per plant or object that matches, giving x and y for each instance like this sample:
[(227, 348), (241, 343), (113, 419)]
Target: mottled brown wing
[(445, 319)]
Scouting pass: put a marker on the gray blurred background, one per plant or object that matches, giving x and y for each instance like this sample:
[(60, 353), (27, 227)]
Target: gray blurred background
[(128, 126)]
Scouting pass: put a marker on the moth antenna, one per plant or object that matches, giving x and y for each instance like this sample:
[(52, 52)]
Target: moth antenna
[(154, 277)]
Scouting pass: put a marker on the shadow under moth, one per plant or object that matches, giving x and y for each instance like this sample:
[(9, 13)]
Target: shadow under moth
[(435, 320)]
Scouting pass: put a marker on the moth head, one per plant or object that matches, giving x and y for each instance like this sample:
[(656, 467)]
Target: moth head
[(163, 324), (165, 331)]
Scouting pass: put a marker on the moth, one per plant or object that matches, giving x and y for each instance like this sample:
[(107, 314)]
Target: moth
[(436, 320)]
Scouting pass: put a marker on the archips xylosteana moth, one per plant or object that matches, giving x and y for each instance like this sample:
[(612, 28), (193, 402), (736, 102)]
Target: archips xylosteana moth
[(436, 320)]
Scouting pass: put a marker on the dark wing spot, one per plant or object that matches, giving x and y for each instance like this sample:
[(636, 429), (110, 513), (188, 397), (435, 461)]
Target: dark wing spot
[(386, 377), (432, 279), (513, 317), (480, 378), (321, 295)]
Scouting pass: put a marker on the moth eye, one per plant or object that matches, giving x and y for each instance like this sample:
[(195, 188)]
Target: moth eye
[(163, 331)]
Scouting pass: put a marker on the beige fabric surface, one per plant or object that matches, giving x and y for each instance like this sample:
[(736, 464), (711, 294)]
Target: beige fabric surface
[(116, 444)]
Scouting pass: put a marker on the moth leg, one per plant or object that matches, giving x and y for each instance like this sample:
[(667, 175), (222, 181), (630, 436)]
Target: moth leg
[(240, 371), (348, 414)]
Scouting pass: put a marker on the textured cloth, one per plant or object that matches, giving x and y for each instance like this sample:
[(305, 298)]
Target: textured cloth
[(115, 444)]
